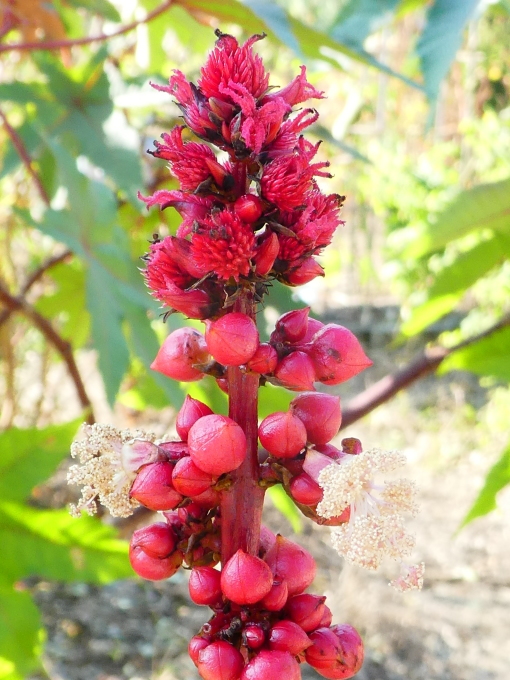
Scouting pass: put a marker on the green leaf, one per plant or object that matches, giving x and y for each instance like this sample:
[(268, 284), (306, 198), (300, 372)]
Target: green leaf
[(277, 20), (432, 310), (52, 544), (489, 356), (21, 635), (359, 18), (497, 478), (30, 456), (486, 206), (440, 40), (101, 7), (273, 399), (284, 504)]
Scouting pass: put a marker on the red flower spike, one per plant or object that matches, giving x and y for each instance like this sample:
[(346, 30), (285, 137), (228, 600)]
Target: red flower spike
[(320, 413), (254, 637), (291, 563), (178, 354), (266, 254), (306, 610), (276, 598), (153, 487), (232, 339), (248, 208), (220, 661), (204, 586), (264, 360), (337, 355), (190, 480), (307, 271), (217, 444), (299, 90), (245, 579), (196, 644), (304, 490), (282, 434), (296, 372), (292, 326), (287, 636), (336, 653), (152, 552), (189, 413), (272, 665)]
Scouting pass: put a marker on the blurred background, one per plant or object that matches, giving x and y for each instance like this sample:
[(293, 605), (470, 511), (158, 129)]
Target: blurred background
[(416, 126)]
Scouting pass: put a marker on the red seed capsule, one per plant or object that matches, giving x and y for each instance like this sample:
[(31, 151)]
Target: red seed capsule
[(267, 252), (314, 325), (245, 579), (220, 661), (337, 355), (306, 610), (254, 637), (272, 665), (304, 490), (179, 353), (196, 644), (282, 434), (248, 207), (204, 585), (217, 444), (232, 339), (264, 360), (336, 653), (189, 413), (292, 326), (276, 598), (152, 552), (267, 539), (153, 487), (306, 272), (291, 563), (296, 372), (320, 413), (190, 480), (287, 636)]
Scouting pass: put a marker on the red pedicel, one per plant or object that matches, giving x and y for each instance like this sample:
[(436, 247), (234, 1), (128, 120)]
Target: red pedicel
[(291, 563), (272, 665), (220, 661), (152, 552), (190, 480), (248, 207), (196, 644), (178, 354), (264, 360), (204, 586), (305, 490), (232, 339), (336, 653), (245, 579), (305, 273), (296, 372), (189, 413), (337, 355), (287, 636), (320, 413), (217, 444), (306, 610), (282, 434), (292, 326), (153, 487)]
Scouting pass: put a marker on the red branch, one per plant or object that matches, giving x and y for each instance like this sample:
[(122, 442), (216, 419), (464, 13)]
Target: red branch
[(58, 44), (427, 362)]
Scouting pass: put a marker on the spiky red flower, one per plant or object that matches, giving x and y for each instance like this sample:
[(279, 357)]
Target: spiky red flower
[(163, 267), (190, 206)]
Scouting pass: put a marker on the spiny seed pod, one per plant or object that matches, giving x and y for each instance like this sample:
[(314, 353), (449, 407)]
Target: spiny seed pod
[(248, 208), (264, 360), (196, 644), (232, 339), (179, 353), (254, 637), (204, 586), (266, 254), (291, 563), (189, 413), (276, 598), (305, 273), (245, 579), (292, 326), (336, 653), (153, 487), (217, 444), (220, 661), (189, 480), (320, 413), (305, 490), (272, 665), (296, 372), (337, 355), (152, 552), (282, 434), (306, 610), (287, 636)]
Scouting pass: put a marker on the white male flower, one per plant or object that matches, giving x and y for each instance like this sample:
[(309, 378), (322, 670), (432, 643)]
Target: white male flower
[(109, 459)]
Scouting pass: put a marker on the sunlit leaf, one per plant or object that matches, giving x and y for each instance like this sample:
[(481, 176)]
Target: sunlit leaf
[(359, 18), (284, 504), (277, 20), (490, 356), (21, 635)]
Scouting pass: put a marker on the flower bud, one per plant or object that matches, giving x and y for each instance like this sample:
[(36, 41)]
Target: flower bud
[(220, 661), (153, 487), (291, 327), (305, 490), (179, 353), (352, 446), (189, 413), (196, 644), (272, 665), (296, 372), (331, 451), (253, 637), (245, 579), (282, 434), (232, 339), (222, 384), (336, 653), (337, 355), (248, 208), (204, 586), (264, 360), (306, 610), (327, 618), (267, 539), (217, 444), (276, 598), (152, 552), (314, 325), (287, 636), (210, 498), (267, 252), (315, 462), (190, 480), (195, 304), (174, 451), (291, 563), (320, 413), (305, 273)]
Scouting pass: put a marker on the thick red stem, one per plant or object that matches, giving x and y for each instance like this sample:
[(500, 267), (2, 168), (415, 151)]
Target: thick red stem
[(241, 505)]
